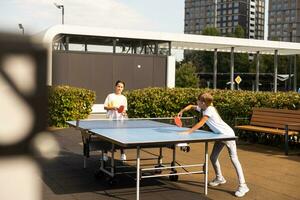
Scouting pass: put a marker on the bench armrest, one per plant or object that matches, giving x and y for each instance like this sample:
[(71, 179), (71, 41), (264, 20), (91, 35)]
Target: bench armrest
[(238, 119)]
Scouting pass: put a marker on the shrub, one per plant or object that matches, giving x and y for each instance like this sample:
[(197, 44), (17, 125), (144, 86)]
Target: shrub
[(162, 102), (69, 103)]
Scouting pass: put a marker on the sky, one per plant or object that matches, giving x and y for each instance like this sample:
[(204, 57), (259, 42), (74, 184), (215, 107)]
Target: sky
[(38, 15), (149, 15)]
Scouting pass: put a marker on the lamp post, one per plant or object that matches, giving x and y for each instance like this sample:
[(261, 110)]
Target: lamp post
[(60, 6), (290, 59), (22, 28)]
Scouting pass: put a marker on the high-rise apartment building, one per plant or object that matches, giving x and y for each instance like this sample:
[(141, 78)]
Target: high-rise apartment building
[(225, 15), (284, 20)]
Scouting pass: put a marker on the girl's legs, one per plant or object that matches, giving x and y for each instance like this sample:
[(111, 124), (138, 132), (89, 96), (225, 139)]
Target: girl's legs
[(218, 146), (231, 146), (243, 188), (123, 155)]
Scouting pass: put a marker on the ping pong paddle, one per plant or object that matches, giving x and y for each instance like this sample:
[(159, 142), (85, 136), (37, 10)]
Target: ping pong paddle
[(178, 121), (121, 109)]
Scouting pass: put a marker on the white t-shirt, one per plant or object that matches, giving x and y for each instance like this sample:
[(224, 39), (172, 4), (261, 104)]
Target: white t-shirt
[(215, 122), (116, 101)]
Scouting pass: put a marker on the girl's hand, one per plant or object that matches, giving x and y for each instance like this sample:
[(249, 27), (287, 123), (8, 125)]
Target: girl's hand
[(114, 108), (180, 114), (187, 132)]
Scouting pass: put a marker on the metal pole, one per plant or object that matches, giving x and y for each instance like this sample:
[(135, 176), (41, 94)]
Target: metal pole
[(215, 68), (257, 72), (216, 16), (232, 68), (295, 73), (114, 45), (62, 14), (22, 28), (67, 43), (290, 62), (206, 168), (275, 69), (138, 173), (290, 72)]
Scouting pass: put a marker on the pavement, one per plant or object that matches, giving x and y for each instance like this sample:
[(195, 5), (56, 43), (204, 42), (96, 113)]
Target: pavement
[(268, 172)]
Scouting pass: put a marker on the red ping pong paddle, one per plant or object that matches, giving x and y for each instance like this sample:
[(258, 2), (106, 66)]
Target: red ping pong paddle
[(178, 121), (121, 109)]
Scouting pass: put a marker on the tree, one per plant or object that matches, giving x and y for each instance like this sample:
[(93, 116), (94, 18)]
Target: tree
[(239, 32), (212, 31), (186, 76)]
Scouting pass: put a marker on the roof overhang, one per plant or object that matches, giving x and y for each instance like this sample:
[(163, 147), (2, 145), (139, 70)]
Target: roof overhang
[(178, 40)]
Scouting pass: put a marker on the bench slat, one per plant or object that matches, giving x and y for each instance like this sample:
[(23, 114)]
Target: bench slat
[(276, 120), (275, 124), (266, 110), (265, 130), (273, 114)]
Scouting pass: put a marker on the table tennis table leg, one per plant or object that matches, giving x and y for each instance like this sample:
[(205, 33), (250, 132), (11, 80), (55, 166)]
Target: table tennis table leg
[(138, 173), (84, 162), (174, 158), (159, 159), (112, 160), (206, 168)]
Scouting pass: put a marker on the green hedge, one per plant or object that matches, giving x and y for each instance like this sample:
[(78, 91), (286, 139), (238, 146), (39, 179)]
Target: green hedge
[(69, 103), (161, 102)]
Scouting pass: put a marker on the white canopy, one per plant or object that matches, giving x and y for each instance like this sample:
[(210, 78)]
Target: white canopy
[(180, 40)]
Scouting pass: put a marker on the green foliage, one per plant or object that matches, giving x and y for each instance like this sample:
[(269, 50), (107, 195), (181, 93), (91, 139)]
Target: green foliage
[(239, 32), (69, 103), (211, 31), (162, 102), (186, 76), (203, 60)]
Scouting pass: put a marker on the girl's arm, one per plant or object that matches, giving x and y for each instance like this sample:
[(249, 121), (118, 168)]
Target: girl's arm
[(110, 108), (186, 109), (197, 126)]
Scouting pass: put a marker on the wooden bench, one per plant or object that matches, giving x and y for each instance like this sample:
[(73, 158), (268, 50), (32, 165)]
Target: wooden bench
[(274, 121)]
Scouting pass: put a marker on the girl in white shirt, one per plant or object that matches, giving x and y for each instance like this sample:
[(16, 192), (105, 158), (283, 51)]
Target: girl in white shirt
[(112, 102), (212, 118)]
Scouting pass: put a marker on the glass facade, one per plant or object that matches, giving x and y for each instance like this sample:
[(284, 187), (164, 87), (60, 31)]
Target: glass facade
[(284, 20), (225, 15)]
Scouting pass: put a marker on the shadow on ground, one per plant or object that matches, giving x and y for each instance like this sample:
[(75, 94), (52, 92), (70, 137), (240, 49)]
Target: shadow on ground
[(65, 175)]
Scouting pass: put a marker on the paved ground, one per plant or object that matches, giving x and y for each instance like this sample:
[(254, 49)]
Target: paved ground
[(269, 174)]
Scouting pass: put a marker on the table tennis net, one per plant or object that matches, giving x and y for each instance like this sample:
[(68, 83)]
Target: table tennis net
[(131, 123)]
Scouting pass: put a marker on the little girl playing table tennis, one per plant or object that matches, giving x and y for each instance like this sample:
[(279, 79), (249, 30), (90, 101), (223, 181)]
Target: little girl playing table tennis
[(116, 106), (212, 118)]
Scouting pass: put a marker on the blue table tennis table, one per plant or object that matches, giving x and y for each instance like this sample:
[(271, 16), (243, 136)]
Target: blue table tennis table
[(145, 133)]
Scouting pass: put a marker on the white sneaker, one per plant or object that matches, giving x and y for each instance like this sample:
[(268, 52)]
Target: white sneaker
[(242, 190), (217, 181), (123, 157), (105, 157), (182, 144)]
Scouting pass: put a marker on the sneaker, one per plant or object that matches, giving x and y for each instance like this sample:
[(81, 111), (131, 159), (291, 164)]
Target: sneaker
[(182, 144), (105, 157), (242, 190), (123, 157), (217, 181)]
